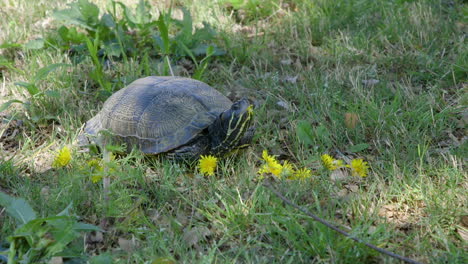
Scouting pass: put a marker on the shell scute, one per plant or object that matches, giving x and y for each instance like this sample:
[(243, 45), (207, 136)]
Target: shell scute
[(158, 114)]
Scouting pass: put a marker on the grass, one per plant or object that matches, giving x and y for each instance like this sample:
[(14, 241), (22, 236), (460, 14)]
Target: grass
[(319, 58)]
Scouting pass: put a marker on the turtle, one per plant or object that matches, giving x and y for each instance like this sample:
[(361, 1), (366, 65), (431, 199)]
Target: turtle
[(181, 117)]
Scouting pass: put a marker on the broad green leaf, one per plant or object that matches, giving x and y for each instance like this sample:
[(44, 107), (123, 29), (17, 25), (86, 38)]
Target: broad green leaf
[(75, 36), (201, 50), (187, 23), (131, 20), (43, 72), (209, 50), (205, 33), (35, 44), (5, 105), (52, 93), (108, 21), (304, 132), (187, 51), (17, 208), (112, 49), (159, 44), (101, 259), (359, 147), (322, 134), (89, 11), (31, 88), (143, 16), (5, 199), (66, 211), (85, 227), (63, 233), (72, 16), (164, 33), (63, 33)]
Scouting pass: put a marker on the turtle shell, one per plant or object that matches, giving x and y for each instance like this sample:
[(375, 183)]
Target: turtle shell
[(159, 114)]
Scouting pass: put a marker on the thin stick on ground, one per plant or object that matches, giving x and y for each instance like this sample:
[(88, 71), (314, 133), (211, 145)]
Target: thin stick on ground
[(316, 218)]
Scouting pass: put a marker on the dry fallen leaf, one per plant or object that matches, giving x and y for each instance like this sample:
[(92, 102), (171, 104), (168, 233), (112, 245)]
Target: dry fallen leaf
[(351, 120), (56, 260), (463, 232), (371, 230), (195, 235), (182, 218), (402, 215), (387, 211), (283, 104), (291, 79), (352, 187), (163, 260), (127, 245), (339, 174), (342, 193), (286, 62), (45, 192), (464, 220)]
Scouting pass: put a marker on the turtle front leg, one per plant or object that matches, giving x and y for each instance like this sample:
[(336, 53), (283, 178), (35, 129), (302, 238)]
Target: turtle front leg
[(192, 151)]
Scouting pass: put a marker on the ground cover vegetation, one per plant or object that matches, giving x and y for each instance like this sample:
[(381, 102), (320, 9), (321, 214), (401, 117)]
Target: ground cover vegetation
[(360, 108)]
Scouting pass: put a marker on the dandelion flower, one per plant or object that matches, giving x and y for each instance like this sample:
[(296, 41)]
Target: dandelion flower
[(302, 174), (96, 169), (268, 158), (207, 164), (96, 178), (272, 165), (287, 169), (359, 167), (331, 163), (95, 165), (62, 158)]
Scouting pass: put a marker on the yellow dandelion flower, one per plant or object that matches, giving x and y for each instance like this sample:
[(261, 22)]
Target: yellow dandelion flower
[(97, 170), (96, 178), (359, 167), (287, 169), (277, 170), (272, 165), (95, 165), (330, 163), (268, 158), (207, 164), (62, 158)]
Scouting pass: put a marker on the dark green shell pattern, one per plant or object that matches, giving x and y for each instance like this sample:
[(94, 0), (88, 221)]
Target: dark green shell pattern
[(159, 114)]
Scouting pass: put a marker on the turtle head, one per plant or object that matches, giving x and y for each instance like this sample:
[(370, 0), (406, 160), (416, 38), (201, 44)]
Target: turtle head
[(229, 128)]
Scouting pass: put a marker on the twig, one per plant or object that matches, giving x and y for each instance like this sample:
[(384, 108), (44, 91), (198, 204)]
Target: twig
[(316, 218)]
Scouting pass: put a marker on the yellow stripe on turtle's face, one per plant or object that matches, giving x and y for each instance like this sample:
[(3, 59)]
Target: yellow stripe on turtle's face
[(250, 110), (243, 120), (241, 114)]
